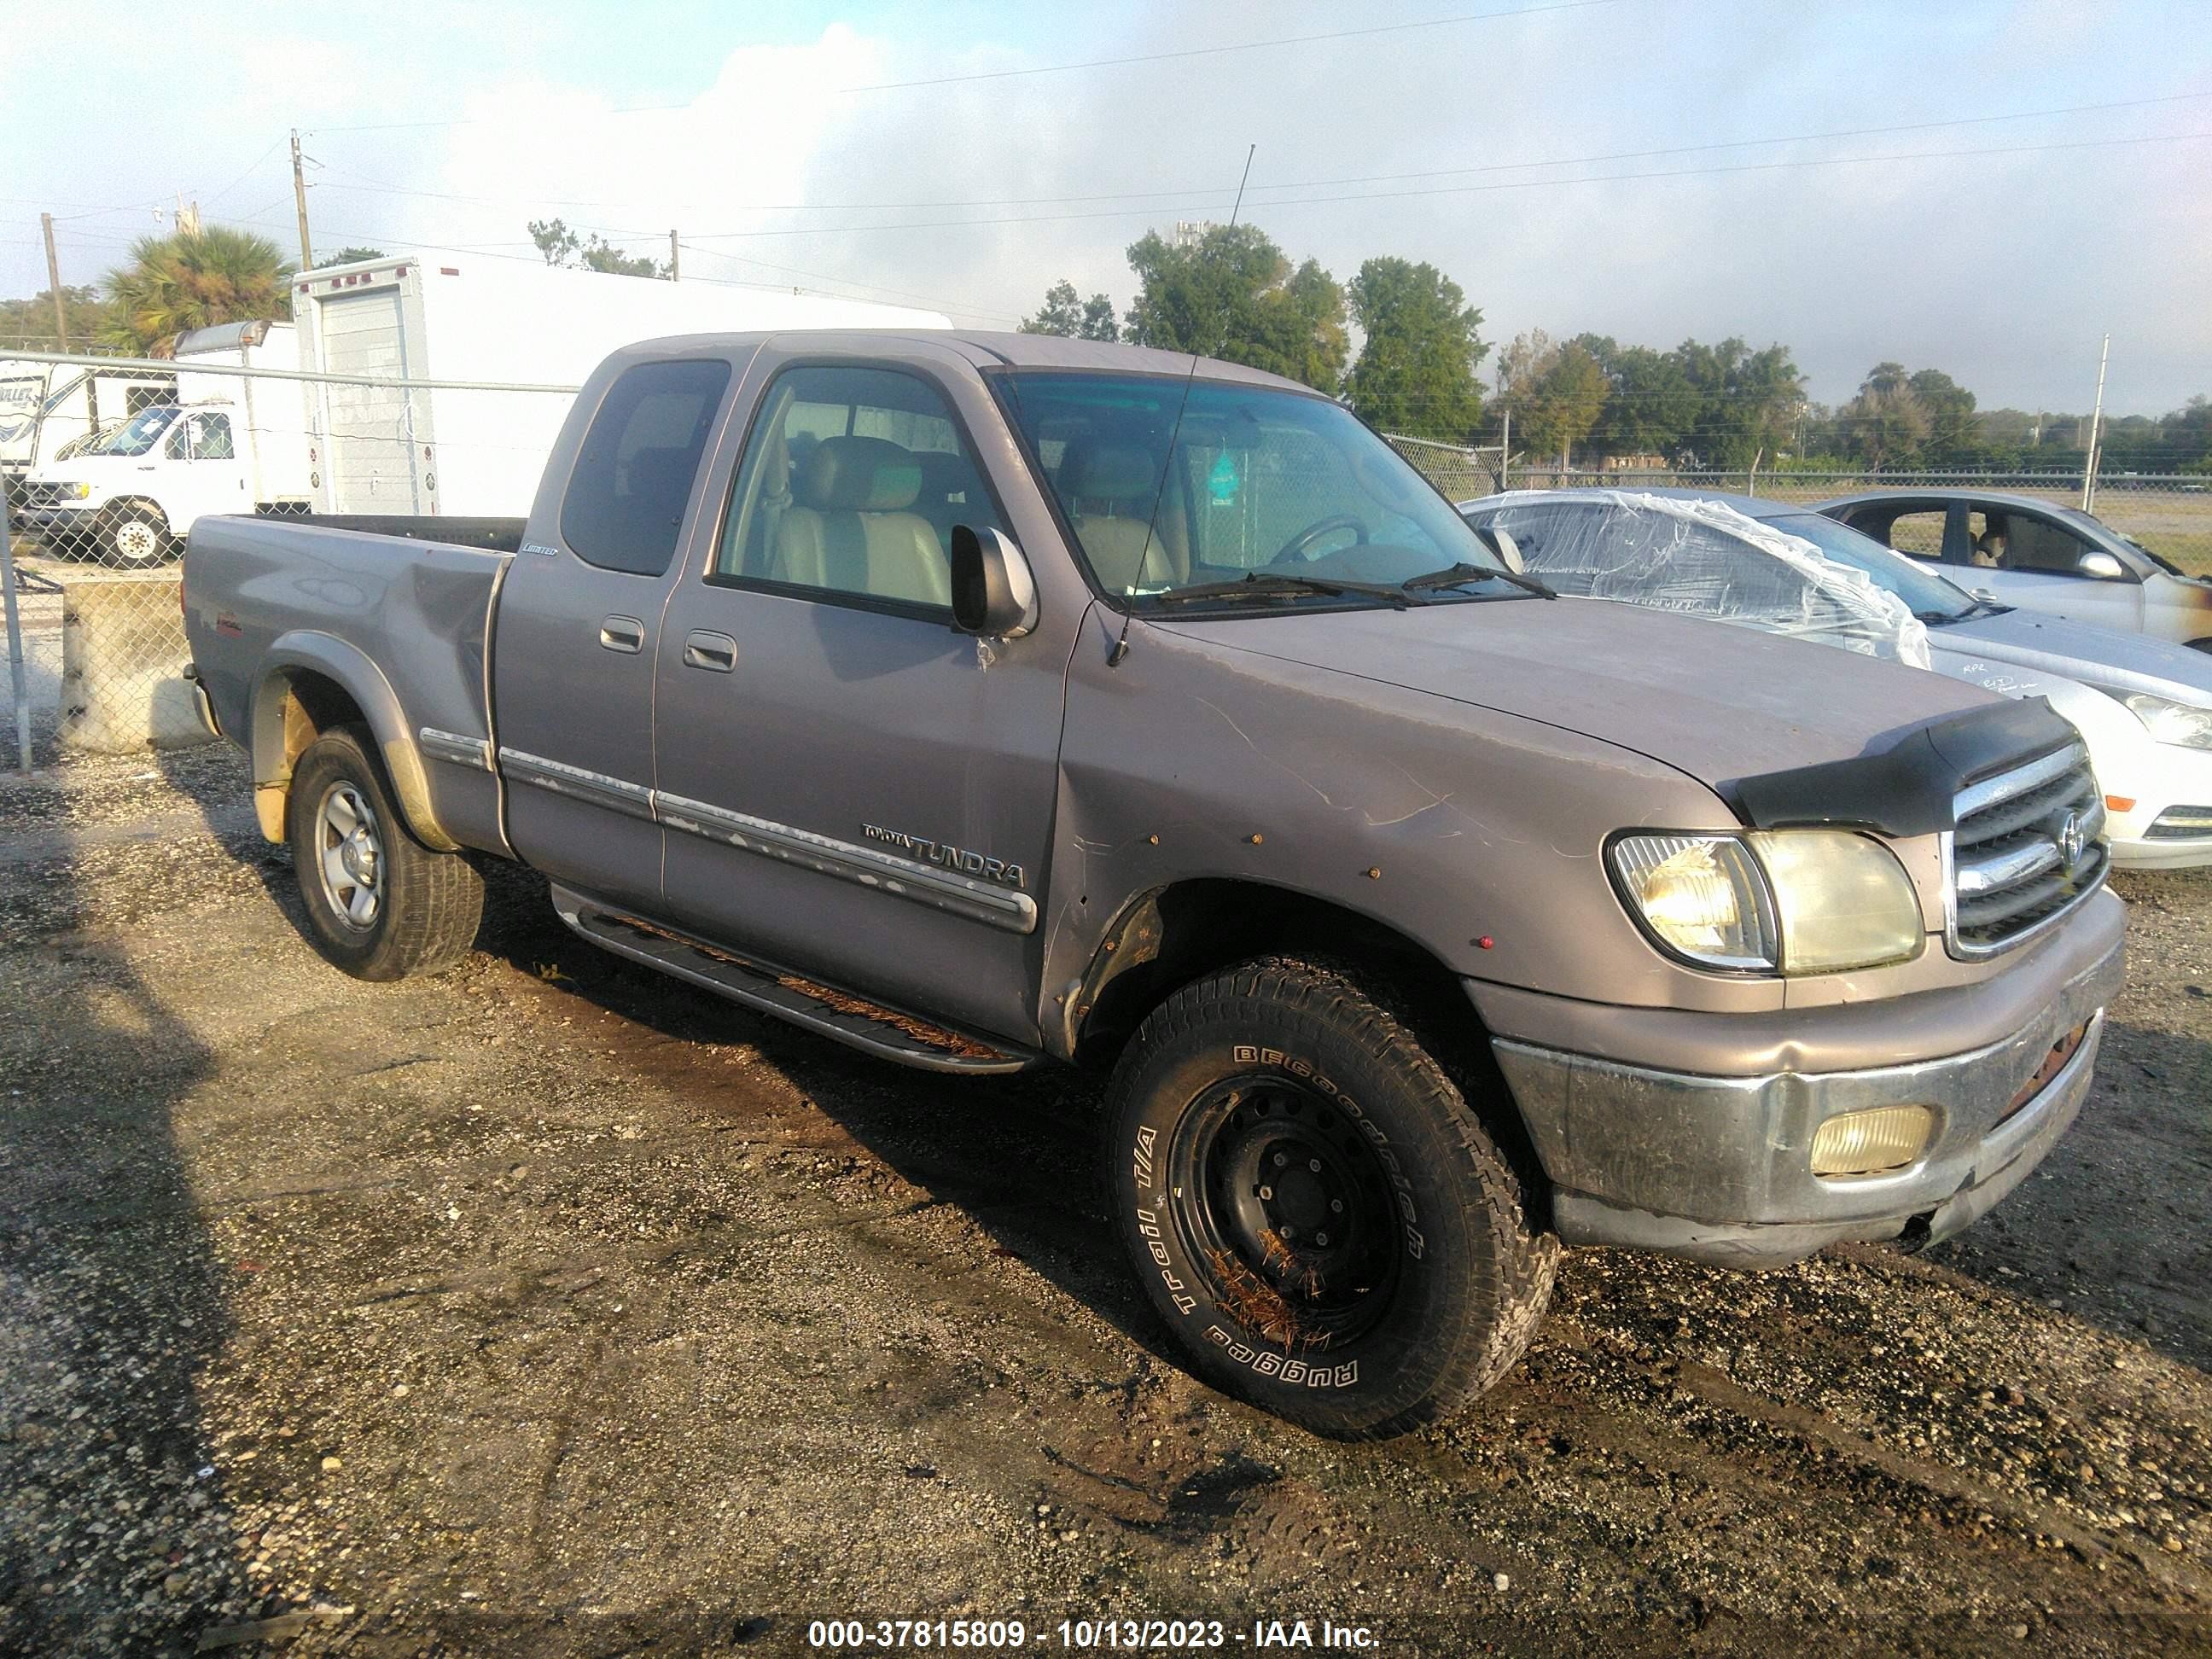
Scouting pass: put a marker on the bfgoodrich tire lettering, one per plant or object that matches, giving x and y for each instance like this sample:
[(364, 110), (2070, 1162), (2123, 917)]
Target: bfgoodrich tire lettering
[(379, 904), (1313, 1209)]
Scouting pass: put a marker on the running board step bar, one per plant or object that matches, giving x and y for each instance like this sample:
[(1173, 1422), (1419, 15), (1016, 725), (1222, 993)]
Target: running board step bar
[(851, 1020)]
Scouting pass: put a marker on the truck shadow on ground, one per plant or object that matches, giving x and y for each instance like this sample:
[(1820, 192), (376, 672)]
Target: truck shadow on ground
[(112, 1302), (1020, 1155)]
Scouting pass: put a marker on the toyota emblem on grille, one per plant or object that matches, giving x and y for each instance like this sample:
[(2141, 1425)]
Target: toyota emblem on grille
[(2072, 843)]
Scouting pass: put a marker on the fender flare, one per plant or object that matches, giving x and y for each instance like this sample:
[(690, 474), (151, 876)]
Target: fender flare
[(353, 671)]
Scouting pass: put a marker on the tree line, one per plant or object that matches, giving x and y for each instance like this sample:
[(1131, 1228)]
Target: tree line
[(1230, 292)]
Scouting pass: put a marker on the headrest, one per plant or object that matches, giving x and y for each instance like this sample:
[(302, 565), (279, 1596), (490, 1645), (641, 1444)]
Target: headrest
[(859, 475), (1096, 469)]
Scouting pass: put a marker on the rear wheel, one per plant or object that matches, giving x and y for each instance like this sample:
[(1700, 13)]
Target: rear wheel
[(1313, 1207), (379, 903)]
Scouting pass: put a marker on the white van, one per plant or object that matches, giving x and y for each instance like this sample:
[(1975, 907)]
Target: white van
[(46, 407), (221, 443)]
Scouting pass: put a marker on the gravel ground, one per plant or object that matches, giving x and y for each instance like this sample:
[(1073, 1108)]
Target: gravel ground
[(551, 1308)]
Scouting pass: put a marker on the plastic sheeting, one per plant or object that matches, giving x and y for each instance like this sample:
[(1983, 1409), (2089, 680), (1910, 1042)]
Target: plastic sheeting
[(1707, 559)]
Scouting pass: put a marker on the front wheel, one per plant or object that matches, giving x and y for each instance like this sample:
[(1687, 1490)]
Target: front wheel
[(379, 903), (136, 537), (1313, 1209)]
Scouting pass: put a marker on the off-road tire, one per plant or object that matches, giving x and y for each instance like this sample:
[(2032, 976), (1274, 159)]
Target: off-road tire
[(122, 531), (1472, 1279), (430, 902)]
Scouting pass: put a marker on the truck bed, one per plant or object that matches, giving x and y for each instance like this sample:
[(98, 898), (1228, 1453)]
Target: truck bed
[(495, 535), (391, 612)]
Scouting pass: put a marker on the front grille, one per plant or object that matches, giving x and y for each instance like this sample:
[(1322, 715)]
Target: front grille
[(2181, 823), (44, 494), (2028, 847)]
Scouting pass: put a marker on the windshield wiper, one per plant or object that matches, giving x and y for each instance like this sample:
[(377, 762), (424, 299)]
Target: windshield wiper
[(1459, 575), (1273, 585)]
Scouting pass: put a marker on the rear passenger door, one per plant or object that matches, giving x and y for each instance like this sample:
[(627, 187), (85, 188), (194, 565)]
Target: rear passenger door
[(851, 788), (577, 628)]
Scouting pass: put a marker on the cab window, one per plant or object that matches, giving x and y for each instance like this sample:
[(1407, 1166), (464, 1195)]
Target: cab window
[(1918, 532), (624, 509), (203, 438), (851, 483)]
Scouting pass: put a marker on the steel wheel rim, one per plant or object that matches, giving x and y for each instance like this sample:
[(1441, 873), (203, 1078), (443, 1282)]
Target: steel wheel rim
[(135, 542), (1305, 1258), (349, 856)]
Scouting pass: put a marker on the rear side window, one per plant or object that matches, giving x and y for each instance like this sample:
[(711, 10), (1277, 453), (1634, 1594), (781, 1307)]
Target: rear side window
[(626, 495)]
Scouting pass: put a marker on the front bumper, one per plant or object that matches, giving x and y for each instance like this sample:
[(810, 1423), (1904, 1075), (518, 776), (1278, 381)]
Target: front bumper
[(65, 520), (2170, 779), (1718, 1168)]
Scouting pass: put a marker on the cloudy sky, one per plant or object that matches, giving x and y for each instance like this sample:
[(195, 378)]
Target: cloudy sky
[(1984, 186)]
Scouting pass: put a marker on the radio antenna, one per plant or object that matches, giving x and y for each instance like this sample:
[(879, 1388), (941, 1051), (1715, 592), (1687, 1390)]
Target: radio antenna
[(1152, 524)]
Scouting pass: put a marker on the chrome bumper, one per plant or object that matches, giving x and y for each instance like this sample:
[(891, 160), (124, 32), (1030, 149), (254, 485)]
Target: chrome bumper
[(1719, 1168)]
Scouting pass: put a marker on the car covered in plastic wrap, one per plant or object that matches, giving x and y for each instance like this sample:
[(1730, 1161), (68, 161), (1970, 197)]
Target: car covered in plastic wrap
[(2143, 706)]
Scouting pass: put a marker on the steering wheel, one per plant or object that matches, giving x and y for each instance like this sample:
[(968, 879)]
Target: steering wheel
[(1295, 549)]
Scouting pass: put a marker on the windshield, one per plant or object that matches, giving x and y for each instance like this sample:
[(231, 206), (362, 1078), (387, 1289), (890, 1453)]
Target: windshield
[(1930, 598), (141, 432), (1262, 484)]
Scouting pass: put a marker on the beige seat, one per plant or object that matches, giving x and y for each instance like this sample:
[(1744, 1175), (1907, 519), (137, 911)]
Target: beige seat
[(1108, 489), (848, 527)]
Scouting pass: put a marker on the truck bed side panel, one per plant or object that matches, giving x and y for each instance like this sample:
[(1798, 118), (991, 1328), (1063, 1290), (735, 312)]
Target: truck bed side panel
[(400, 625)]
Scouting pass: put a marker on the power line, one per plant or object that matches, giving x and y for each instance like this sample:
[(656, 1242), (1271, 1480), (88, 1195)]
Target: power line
[(386, 186), (244, 176), (1465, 190), (1248, 46), (1052, 69)]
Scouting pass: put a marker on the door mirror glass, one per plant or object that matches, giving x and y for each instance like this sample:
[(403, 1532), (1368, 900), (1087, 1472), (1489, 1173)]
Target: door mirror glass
[(992, 593), (2102, 565)]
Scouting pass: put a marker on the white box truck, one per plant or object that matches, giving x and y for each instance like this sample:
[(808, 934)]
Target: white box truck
[(214, 443), (461, 317)]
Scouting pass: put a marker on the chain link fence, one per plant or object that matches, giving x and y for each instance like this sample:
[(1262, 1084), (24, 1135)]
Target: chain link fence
[(109, 463), (103, 488), (2169, 514)]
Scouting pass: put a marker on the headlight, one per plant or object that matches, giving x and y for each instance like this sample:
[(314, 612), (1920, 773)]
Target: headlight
[(1700, 898), (76, 492), (1792, 901), (2168, 721), (1845, 900)]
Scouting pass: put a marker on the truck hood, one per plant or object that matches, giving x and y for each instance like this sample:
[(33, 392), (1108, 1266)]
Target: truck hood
[(2080, 651), (1717, 701)]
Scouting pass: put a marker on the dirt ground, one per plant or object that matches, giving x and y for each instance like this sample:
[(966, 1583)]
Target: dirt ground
[(551, 1308)]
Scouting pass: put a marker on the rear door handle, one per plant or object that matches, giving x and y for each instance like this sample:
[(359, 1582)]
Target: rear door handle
[(715, 653), (622, 634)]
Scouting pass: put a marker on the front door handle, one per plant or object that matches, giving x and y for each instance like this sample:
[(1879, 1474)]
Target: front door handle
[(622, 634), (715, 653)]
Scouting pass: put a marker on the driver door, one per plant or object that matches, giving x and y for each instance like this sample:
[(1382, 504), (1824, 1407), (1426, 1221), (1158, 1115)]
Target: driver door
[(2039, 569), (850, 787), (200, 470)]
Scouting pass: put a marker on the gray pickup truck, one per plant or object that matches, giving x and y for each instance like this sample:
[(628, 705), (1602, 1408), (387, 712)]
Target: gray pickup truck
[(986, 701)]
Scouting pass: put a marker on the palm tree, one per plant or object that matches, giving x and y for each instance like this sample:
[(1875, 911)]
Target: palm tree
[(192, 279)]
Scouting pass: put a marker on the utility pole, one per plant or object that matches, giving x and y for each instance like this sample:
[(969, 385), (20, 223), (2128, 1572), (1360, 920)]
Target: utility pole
[(54, 284), (300, 201), (2096, 431), (675, 259)]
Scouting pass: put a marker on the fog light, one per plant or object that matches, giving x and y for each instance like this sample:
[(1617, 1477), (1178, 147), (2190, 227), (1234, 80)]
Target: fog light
[(1872, 1142)]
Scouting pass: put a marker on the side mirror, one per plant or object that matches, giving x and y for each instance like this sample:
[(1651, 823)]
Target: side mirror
[(992, 593), (2102, 565)]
